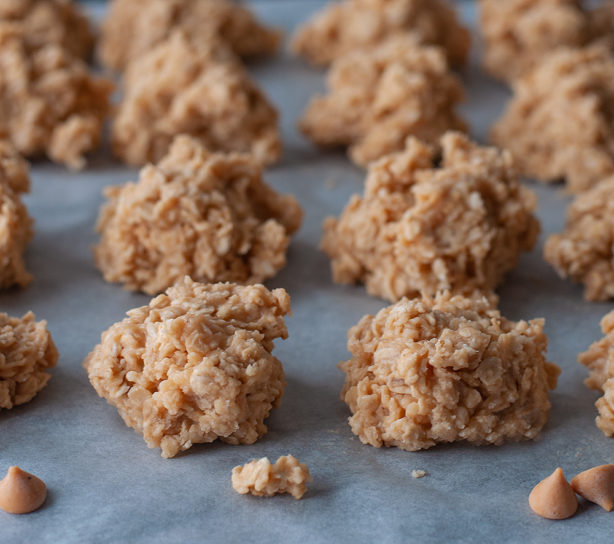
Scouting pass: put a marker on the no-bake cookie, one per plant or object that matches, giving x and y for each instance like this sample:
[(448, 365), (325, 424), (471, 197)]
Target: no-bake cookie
[(261, 478), (195, 364), (182, 88), (133, 27), (560, 121), (27, 351), (584, 251), (344, 27), (207, 215), (379, 97), (445, 369), (422, 228)]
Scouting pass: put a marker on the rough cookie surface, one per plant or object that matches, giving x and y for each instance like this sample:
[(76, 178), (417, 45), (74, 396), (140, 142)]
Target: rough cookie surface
[(58, 22), (422, 229), (195, 364), (446, 369), (569, 88), (49, 102), (344, 27), (181, 88), (584, 251), (261, 478), (599, 359), (134, 27), (380, 97), (207, 215), (26, 352)]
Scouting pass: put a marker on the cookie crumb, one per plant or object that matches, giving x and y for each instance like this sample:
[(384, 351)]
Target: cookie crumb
[(419, 473)]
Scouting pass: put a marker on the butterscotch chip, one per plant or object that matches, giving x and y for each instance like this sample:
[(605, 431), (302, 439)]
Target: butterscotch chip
[(569, 88), (58, 22), (27, 351), (422, 229), (195, 365), (380, 97), (599, 359), (446, 369), (207, 215), (21, 492), (261, 478), (554, 498), (583, 251), (133, 27), (344, 27), (183, 88), (596, 485)]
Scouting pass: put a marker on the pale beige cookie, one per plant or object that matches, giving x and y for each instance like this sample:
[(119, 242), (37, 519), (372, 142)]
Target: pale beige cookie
[(583, 251), (207, 215), (58, 22), (262, 479), (378, 98), (446, 369), (421, 228), (27, 351), (558, 124), (599, 359), (182, 88), (343, 27), (133, 27), (195, 364)]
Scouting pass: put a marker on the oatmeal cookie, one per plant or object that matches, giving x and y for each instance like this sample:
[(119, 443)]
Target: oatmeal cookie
[(26, 352), (599, 359), (134, 27), (197, 213), (58, 22), (380, 97), (261, 478), (343, 27), (180, 88), (560, 122), (195, 364), (421, 229), (446, 369)]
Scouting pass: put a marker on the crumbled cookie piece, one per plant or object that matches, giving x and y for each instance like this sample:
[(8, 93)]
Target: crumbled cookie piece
[(422, 229), (344, 27), (569, 88), (133, 27), (207, 215), (50, 102), (553, 497), (181, 88), (519, 33), (261, 478), (418, 474), (26, 352), (445, 369), (584, 251), (58, 22), (599, 359), (380, 97), (195, 364)]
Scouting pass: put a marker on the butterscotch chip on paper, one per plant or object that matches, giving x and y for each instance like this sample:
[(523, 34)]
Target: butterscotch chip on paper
[(446, 369), (344, 27), (45, 22), (261, 478), (559, 123), (202, 91), (583, 251), (195, 365), (421, 228), (27, 351), (599, 359), (207, 215), (378, 98), (133, 27)]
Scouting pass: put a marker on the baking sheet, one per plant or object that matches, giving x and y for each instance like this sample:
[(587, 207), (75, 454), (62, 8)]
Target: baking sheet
[(106, 486)]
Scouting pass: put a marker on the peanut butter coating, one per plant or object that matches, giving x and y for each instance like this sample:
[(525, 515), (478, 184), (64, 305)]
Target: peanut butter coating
[(554, 498), (21, 492), (596, 485)]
